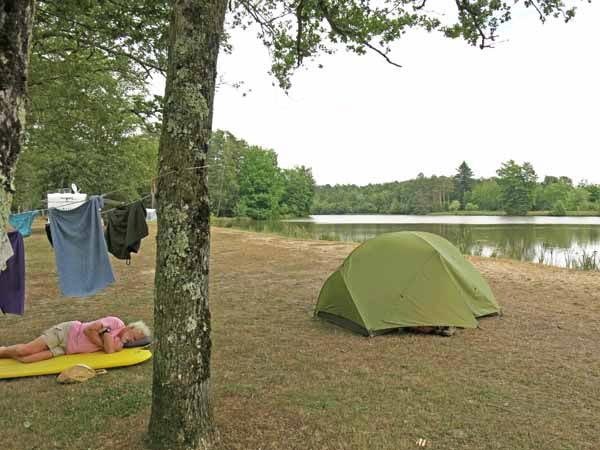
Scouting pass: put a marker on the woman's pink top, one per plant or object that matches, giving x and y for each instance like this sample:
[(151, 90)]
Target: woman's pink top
[(78, 342)]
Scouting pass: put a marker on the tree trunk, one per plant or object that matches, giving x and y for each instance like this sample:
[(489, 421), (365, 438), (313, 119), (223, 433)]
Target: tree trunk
[(16, 20), (181, 413)]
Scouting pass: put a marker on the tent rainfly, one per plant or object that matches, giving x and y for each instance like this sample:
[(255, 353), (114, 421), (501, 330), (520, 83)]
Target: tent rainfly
[(405, 279)]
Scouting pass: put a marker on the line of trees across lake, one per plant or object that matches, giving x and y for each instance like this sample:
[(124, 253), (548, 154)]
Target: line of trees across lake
[(514, 191), (246, 181)]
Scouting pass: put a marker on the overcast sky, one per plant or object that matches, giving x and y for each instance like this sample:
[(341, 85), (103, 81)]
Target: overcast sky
[(535, 97)]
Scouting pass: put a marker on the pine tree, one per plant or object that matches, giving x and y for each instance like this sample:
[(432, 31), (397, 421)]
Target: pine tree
[(463, 181)]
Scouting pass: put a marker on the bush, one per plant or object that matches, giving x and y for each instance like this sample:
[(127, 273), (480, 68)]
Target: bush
[(454, 206), (471, 207), (558, 209)]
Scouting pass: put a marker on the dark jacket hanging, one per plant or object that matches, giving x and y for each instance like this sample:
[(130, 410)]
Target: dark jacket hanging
[(125, 230), (49, 234)]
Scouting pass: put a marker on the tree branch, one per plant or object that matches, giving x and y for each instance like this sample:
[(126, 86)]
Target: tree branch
[(336, 28), (91, 43), (388, 60), (299, 32), (464, 6), (262, 21), (421, 6), (58, 77), (534, 4)]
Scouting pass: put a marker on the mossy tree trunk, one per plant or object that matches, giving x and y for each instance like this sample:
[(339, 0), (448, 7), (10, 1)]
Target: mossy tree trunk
[(16, 20), (181, 412)]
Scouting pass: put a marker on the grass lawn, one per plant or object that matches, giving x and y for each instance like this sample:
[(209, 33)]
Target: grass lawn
[(529, 380)]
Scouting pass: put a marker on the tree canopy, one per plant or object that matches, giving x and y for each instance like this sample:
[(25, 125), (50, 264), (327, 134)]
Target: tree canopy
[(91, 120), (261, 185), (296, 31), (517, 183), (246, 180), (298, 192)]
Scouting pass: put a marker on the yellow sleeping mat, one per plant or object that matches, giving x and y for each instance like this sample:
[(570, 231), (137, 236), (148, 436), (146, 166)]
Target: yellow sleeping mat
[(9, 368)]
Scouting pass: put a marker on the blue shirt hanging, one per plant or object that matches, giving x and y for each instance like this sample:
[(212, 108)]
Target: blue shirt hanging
[(80, 249)]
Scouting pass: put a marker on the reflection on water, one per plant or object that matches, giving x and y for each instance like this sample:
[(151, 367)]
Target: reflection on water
[(573, 245)]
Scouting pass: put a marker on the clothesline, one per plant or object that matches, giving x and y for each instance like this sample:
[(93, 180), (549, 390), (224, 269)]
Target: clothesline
[(81, 245), (83, 201), (153, 179), (119, 190), (127, 204)]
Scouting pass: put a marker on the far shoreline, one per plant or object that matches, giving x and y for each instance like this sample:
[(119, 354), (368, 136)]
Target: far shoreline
[(503, 214)]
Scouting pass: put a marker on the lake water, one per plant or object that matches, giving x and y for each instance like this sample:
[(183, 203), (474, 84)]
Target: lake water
[(561, 241)]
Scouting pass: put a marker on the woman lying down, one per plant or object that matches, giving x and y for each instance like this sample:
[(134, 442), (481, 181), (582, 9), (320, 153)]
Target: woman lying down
[(108, 334)]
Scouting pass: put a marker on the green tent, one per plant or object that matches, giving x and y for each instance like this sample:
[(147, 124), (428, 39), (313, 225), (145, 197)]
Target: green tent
[(405, 279)]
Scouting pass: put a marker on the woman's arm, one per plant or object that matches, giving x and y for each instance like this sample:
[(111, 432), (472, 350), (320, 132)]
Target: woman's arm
[(111, 345), (93, 333)]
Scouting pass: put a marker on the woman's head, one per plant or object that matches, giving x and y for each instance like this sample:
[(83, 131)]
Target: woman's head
[(135, 331)]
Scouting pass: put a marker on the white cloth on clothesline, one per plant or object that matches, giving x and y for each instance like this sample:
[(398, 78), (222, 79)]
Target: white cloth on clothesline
[(151, 215)]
